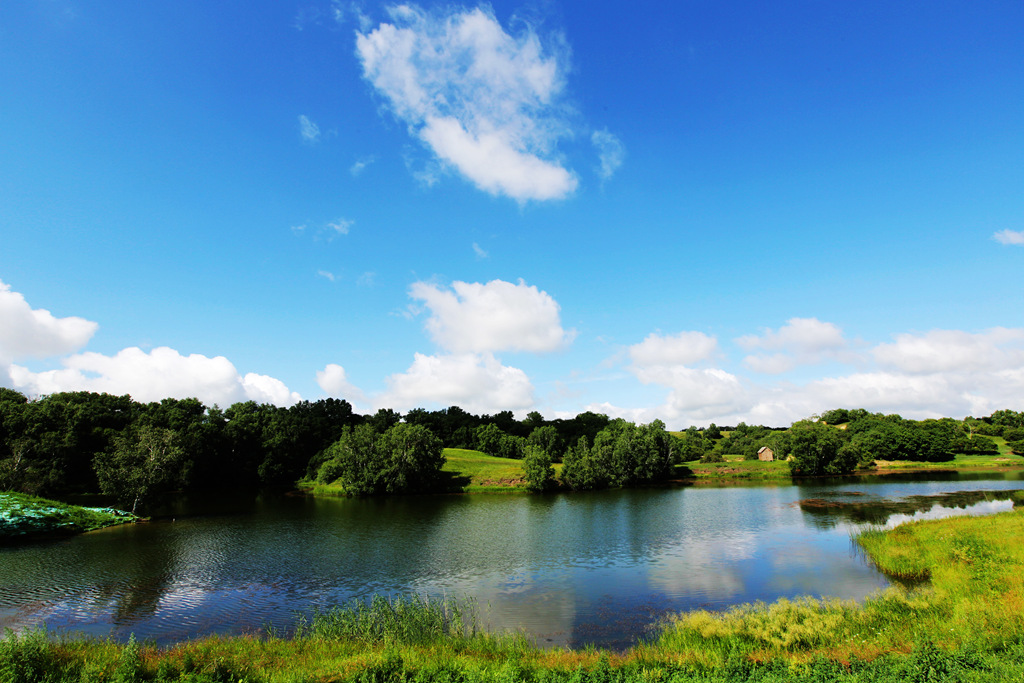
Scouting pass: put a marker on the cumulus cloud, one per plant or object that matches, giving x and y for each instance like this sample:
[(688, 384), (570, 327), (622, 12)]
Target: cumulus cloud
[(152, 376), (610, 152), (694, 393), (685, 348), (477, 382), (309, 131), (799, 342), (1009, 237), (486, 102), (953, 351), (497, 316), (918, 375), (334, 381), (26, 332)]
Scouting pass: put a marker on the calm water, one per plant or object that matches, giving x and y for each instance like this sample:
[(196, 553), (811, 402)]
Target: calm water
[(569, 568)]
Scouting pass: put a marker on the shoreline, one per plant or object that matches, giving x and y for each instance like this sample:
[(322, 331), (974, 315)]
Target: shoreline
[(25, 518)]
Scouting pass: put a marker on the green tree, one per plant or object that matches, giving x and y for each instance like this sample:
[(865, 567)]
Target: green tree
[(140, 464), (404, 459), (384, 419), (691, 445), (539, 473), (579, 470), (488, 438), (513, 447), (545, 438), (818, 448)]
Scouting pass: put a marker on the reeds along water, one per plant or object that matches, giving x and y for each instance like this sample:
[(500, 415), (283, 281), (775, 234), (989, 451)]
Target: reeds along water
[(407, 620)]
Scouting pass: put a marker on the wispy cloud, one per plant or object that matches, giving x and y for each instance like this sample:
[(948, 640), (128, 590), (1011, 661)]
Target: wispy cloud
[(326, 274), (339, 227), (309, 131), (610, 152), (479, 251), (1009, 237), (357, 168), (486, 102)]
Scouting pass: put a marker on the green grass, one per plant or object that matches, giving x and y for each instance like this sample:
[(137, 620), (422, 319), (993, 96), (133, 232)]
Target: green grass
[(1005, 459), (23, 516), (473, 471), (735, 468), (464, 471)]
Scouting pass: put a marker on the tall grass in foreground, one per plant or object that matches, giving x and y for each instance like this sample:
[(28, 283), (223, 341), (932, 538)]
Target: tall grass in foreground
[(413, 620), (967, 625)]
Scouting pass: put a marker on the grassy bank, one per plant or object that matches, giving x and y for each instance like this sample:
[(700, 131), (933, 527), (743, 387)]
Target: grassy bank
[(464, 471), (23, 516), (967, 624)]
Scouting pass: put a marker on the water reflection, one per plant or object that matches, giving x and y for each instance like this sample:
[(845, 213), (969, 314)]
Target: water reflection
[(862, 508), (570, 569)]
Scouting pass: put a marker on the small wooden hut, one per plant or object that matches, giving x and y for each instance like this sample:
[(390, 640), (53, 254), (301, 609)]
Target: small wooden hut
[(765, 454)]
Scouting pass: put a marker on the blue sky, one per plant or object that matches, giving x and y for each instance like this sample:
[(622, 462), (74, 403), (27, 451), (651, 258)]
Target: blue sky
[(690, 211)]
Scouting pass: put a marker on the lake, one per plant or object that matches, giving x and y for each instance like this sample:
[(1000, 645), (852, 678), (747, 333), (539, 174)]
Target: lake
[(570, 569)]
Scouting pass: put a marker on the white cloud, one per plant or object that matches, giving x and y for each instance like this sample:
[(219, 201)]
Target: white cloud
[(485, 101), (694, 393), (357, 167), (799, 342), (478, 318), (35, 333), (478, 383), (953, 351), (339, 227), (493, 164), (938, 373), (479, 251), (1009, 237), (309, 131), (610, 151), (685, 348), (161, 373), (266, 389), (334, 381), (327, 275), (805, 335)]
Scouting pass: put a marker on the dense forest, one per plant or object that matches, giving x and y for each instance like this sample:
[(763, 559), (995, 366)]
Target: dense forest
[(82, 442)]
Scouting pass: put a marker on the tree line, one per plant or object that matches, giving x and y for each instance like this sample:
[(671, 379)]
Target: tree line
[(85, 442), (842, 440)]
